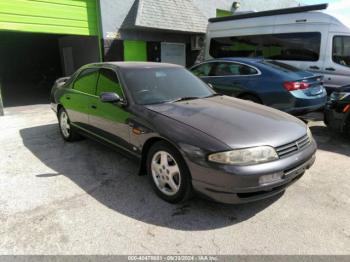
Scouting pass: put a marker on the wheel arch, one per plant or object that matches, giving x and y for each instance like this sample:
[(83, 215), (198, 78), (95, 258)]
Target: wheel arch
[(58, 108), (147, 146)]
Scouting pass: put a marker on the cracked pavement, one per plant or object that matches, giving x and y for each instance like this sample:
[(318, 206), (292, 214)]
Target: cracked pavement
[(84, 198)]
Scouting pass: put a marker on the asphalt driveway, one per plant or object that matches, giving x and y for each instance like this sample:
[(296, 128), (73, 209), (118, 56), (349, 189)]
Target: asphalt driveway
[(84, 198)]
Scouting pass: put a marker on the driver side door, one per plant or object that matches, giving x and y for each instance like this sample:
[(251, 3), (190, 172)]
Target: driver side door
[(109, 121)]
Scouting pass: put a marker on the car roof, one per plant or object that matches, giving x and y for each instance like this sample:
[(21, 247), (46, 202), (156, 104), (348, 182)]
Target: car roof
[(238, 59), (135, 65)]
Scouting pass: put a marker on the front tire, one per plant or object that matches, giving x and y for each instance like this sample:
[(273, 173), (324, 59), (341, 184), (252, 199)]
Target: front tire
[(168, 173), (67, 133)]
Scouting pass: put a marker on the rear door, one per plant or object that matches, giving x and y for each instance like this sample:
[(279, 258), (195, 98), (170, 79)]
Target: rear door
[(77, 100), (110, 120), (230, 78)]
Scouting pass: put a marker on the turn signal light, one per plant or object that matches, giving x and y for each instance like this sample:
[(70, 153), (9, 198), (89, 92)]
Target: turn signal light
[(346, 109), (292, 86)]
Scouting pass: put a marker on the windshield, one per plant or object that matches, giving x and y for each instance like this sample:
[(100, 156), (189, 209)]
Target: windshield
[(160, 85)]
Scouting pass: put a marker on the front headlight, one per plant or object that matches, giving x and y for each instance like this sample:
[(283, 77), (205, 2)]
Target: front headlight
[(339, 95), (247, 156)]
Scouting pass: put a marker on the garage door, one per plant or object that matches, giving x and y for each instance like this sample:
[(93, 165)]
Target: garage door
[(78, 17)]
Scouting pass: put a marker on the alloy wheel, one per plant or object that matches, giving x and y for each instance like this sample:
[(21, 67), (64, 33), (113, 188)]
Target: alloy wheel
[(64, 124), (166, 173)]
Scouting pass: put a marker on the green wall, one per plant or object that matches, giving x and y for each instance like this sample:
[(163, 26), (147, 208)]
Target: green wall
[(78, 17), (135, 50), (222, 13)]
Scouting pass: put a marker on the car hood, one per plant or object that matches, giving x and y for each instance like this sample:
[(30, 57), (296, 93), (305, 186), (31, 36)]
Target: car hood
[(235, 122)]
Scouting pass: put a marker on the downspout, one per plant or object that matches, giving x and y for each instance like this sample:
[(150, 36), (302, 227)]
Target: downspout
[(99, 30)]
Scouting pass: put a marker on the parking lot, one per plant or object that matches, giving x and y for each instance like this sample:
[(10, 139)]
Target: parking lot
[(84, 198)]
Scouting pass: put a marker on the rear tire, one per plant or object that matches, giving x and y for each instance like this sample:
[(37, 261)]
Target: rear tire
[(251, 98), (168, 173), (67, 133)]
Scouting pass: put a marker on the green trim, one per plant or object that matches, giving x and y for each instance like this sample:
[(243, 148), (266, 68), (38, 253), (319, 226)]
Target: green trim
[(222, 13), (74, 17), (99, 29), (135, 50)]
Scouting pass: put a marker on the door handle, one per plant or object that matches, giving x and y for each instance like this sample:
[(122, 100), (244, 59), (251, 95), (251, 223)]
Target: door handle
[(68, 97), (93, 106), (314, 67), (330, 69)]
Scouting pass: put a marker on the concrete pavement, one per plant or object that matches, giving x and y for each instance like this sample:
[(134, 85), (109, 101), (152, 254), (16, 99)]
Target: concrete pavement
[(84, 198)]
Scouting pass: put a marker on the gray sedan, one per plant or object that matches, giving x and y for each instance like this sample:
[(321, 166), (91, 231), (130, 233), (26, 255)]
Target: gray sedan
[(182, 134)]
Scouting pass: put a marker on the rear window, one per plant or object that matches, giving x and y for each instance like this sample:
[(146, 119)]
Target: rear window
[(281, 66)]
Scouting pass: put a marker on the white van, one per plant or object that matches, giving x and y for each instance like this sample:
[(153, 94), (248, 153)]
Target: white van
[(299, 36)]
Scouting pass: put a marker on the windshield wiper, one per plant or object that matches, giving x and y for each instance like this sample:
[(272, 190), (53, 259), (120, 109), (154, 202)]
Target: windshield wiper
[(212, 95), (183, 99)]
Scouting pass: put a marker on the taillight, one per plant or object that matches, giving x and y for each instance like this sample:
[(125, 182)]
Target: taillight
[(292, 86), (304, 85)]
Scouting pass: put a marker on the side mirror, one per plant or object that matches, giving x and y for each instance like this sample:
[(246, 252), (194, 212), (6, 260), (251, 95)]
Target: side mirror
[(110, 97)]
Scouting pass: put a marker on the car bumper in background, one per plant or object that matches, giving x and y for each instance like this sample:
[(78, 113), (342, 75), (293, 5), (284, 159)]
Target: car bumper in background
[(298, 111), (333, 119), (303, 104), (241, 184)]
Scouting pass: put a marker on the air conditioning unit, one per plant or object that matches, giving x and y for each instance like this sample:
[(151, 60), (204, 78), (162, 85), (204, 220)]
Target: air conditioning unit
[(197, 42)]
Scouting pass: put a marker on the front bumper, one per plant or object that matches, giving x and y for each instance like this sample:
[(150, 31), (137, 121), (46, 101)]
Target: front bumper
[(241, 184)]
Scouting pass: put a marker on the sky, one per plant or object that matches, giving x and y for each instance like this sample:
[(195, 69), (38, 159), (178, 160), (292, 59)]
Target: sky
[(338, 8)]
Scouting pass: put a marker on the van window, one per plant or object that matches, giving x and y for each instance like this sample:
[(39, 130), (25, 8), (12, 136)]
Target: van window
[(341, 50), (291, 46)]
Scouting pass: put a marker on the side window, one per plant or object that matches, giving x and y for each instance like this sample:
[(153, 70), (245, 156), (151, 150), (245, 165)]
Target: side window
[(247, 70), (233, 69), (86, 81), (341, 50), (303, 46), (295, 46), (108, 82), (225, 69), (202, 70)]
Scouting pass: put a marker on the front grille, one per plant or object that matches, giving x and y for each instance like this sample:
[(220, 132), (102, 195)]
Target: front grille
[(291, 148)]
